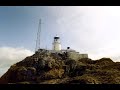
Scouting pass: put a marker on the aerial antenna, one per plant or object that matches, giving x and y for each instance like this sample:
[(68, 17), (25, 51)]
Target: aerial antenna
[(46, 47), (38, 36)]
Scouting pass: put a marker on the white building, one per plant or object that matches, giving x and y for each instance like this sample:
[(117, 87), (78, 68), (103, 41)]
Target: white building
[(56, 48), (56, 43), (70, 52)]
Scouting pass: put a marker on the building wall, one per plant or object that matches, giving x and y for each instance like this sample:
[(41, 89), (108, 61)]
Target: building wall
[(76, 55), (83, 56), (72, 54), (56, 46)]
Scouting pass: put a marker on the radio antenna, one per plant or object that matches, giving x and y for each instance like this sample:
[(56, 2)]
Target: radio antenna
[(38, 36)]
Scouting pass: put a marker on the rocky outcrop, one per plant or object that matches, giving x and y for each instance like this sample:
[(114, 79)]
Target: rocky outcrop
[(53, 68)]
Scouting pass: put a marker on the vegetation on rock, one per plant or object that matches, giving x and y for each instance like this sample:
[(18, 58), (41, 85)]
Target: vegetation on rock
[(53, 68)]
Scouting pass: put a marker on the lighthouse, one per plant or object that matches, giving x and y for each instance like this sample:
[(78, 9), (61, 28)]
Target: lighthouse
[(56, 43)]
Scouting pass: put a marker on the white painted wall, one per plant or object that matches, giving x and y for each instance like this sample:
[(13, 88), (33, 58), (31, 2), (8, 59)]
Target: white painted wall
[(56, 45)]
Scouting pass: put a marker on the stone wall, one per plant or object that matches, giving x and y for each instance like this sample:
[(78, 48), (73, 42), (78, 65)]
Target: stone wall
[(83, 56), (76, 55)]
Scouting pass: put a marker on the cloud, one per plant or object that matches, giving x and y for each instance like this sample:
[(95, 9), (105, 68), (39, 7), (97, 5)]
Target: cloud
[(90, 29), (10, 56)]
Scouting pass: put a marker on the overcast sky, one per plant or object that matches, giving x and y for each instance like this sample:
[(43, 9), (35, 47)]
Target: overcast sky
[(88, 29)]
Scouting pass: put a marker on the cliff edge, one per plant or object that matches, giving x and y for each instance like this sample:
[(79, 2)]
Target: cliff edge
[(54, 68)]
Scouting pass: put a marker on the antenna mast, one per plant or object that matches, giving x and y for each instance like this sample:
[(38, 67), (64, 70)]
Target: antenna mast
[(38, 36)]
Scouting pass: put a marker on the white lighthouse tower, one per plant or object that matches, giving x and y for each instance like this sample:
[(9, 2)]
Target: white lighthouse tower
[(56, 43)]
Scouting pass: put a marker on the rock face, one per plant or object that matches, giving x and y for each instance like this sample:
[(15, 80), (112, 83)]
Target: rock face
[(53, 68)]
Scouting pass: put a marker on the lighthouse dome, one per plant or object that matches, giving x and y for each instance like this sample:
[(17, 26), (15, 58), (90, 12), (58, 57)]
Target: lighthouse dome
[(56, 37)]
